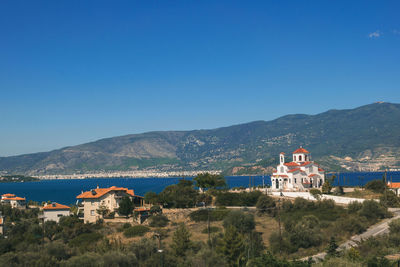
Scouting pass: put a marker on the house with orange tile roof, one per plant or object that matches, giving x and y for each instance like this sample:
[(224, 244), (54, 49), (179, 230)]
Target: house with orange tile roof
[(395, 187), (14, 201), (54, 211), (298, 175), (91, 202)]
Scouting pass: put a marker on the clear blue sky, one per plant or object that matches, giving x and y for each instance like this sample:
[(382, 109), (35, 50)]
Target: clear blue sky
[(76, 71)]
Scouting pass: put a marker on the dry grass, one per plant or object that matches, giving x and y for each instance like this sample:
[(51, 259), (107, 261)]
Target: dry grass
[(363, 193)]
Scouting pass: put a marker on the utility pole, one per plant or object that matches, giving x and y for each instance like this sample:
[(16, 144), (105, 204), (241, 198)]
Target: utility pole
[(280, 231)]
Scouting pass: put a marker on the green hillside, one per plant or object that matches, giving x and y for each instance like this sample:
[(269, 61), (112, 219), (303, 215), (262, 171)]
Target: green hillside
[(369, 133)]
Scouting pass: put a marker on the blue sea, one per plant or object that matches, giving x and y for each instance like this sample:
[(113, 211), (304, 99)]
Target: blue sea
[(65, 191)]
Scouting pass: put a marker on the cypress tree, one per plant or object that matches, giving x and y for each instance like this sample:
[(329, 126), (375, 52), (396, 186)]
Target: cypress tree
[(232, 246)]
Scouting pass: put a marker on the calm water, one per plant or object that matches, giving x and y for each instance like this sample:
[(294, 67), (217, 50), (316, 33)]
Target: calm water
[(65, 191)]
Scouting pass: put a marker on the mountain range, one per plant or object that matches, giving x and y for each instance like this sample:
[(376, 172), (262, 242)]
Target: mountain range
[(364, 138)]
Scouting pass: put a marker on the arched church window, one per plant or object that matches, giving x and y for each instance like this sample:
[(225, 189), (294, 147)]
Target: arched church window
[(299, 158)]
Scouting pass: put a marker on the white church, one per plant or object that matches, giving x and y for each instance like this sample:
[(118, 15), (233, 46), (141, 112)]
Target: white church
[(300, 174)]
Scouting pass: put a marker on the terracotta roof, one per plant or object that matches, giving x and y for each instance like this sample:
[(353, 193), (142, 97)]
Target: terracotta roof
[(142, 209), (8, 195), (1, 220), (394, 185), (301, 150), (282, 153), (312, 175), (56, 206), (280, 175), (321, 170), (306, 163), (295, 170), (14, 198), (291, 164), (98, 192)]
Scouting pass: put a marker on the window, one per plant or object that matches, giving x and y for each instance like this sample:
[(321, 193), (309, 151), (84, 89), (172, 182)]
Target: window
[(305, 157), (299, 158), (59, 215), (295, 180), (294, 158), (92, 202), (92, 213)]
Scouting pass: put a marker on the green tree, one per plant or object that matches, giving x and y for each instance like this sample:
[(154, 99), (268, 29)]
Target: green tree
[(103, 211), (316, 193), (126, 207), (207, 180), (51, 228), (326, 187), (377, 186), (265, 205), (243, 222), (151, 198), (389, 199), (332, 247), (232, 246), (181, 195), (181, 242)]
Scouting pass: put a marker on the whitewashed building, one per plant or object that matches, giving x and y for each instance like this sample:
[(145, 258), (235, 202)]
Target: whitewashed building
[(300, 174), (54, 211), (105, 198), (14, 201)]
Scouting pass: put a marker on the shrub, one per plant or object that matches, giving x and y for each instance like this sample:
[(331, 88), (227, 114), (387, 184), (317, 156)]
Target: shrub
[(316, 193), (155, 210), (389, 199), (137, 230), (202, 215), (85, 240), (238, 199), (243, 222), (158, 221), (373, 210), (377, 186), (326, 187), (213, 229), (265, 205), (354, 206), (394, 226)]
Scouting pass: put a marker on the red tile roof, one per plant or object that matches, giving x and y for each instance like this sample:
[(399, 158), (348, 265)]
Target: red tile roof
[(99, 192), (301, 150), (1, 221), (394, 185), (282, 153), (312, 175), (321, 170), (291, 164), (8, 195), (295, 170), (56, 206), (280, 175), (14, 198)]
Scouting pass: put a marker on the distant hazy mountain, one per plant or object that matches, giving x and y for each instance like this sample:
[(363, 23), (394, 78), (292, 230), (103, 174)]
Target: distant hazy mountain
[(338, 138)]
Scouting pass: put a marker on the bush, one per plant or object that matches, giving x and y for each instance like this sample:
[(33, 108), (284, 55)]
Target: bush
[(243, 222), (238, 199), (377, 186), (354, 207), (316, 193), (85, 240), (158, 221), (373, 210), (389, 199), (137, 230), (394, 226), (266, 205), (213, 229), (202, 215)]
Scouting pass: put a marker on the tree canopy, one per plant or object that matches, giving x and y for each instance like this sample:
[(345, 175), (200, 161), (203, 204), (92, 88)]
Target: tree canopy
[(207, 180)]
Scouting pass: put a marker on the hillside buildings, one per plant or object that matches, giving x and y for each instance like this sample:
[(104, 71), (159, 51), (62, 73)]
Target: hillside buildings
[(54, 211), (14, 201), (300, 174), (105, 199)]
